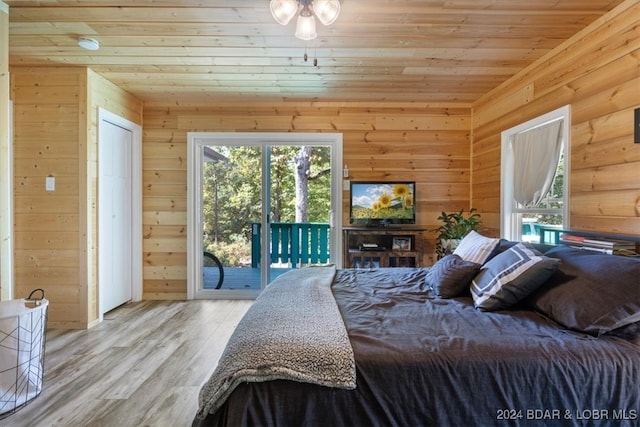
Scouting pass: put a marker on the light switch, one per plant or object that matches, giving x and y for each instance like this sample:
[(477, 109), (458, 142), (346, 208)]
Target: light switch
[(50, 183), (346, 184)]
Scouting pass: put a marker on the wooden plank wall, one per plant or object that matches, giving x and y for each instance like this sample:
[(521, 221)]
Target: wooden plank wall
[(426, 143), (597, 72), (47, 139), (5, 162), (54, 124)]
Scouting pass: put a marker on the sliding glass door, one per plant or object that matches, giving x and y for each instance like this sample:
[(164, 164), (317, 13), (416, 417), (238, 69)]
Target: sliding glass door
[(260, 205)]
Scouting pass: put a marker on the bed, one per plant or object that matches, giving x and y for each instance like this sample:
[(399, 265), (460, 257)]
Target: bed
[(565, 353)]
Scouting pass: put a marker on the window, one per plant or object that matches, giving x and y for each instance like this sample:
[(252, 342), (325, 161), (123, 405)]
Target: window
[(534, 185)]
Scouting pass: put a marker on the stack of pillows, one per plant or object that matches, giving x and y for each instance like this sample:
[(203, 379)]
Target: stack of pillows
[(497, 281), (581, 290)]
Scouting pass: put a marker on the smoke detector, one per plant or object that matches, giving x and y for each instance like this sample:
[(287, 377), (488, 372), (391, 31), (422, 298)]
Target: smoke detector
[(88, 43)]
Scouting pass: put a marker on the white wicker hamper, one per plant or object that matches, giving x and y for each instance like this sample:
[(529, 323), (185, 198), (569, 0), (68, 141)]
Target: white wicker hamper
[(22, 338)]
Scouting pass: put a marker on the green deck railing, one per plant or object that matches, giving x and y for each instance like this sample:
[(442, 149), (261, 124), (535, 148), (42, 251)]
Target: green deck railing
[(295, 243), (550, 236)]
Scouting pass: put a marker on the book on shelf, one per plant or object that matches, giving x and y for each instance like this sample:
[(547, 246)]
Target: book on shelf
[(604, 245), (609, 243), (609, 251), (594, 249), (600, 242), (572, 237)]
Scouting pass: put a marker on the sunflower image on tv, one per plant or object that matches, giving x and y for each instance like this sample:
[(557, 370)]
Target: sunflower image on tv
[(383, 201)]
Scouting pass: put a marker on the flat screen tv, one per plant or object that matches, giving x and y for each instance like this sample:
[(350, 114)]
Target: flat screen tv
[(382, 203)]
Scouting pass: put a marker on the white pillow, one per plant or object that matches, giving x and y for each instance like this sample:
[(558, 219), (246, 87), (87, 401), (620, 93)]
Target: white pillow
[(476, 248)]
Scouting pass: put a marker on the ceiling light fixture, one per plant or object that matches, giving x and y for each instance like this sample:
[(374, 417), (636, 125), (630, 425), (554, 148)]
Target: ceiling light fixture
[(326, 11), (88, 43)]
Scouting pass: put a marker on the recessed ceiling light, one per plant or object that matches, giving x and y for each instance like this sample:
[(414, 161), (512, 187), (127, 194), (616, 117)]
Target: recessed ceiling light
[(88, 43)]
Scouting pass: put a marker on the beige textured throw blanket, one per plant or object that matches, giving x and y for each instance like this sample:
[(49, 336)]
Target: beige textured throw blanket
[(293, 331)]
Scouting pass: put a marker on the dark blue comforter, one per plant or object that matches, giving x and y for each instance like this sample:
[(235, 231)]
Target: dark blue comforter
[(426, 361)]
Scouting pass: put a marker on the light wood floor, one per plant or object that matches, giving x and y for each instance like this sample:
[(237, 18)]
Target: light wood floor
[(142, 366)]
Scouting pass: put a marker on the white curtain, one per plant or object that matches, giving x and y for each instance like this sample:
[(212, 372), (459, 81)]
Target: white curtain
[(536, 153)]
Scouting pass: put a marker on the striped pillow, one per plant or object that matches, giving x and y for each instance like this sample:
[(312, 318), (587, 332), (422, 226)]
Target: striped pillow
[(476, 248), (510, 276)]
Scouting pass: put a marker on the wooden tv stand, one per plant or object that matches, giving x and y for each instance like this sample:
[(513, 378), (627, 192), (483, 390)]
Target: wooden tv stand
[(396, 247)]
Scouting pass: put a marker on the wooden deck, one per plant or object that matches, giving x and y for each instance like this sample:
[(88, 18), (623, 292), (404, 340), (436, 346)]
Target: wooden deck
[(245, 278)]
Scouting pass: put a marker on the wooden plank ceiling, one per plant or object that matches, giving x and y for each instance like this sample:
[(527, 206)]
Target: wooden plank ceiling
[(377, 51)]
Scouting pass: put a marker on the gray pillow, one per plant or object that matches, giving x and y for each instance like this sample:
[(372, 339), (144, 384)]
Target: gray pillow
[(510, 276), (591, 292), (451, 275)]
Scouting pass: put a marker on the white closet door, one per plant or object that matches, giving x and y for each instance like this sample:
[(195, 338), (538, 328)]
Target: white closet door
[(114, 214)]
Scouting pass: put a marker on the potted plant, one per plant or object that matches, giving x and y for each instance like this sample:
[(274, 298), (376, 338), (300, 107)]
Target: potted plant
[(454, 227)]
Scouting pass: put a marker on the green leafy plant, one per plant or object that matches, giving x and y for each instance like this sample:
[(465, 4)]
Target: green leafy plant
[(454, 227)]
